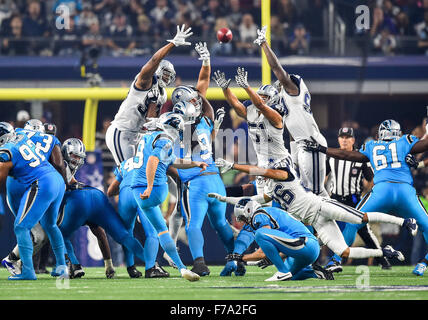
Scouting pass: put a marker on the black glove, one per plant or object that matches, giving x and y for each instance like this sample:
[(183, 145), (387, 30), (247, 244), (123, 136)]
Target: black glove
[(312, 145), (411, 161), (235, 257), (264, 263), (240, 264)]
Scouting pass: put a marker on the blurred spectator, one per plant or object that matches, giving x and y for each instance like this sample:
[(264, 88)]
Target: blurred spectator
[(144, 39), (120, 32), (86, 17), (73, 5), (67, 40), (14, 43), (286, 11), (247, 35), (210, 15), (7, 8), (93, 38), (159, 11), (385, 42), (422, 32), (105, 10), (380, 22), (218, 48), (278, 35), (133, 10), (22, 116), (403, 25), (234, 15), (299, 41), (34, 24), (312, 18)]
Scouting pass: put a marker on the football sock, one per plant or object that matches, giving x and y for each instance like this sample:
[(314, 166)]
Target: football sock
[(383, 217), (225, 233), (168, 245), (25, 244), (151, 247), (129, 256), (196, 242), (174, 224), (57, 244), (362, 253)]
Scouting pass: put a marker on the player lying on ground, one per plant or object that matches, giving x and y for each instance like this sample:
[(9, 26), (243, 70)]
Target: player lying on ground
[(275, 232), (44, 189), (145, 97), (49, 147), (319, 212), (393, 189)]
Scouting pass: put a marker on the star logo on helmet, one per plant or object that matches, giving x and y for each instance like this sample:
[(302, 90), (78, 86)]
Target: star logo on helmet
[(178, 95)]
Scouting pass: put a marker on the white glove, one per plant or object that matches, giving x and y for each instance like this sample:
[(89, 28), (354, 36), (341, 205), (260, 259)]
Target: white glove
[(220, 79), (180, 37), (217, 196), (202, 50), (219, 116), (241, 78), (261, 36), (151, 124), (223, 165)]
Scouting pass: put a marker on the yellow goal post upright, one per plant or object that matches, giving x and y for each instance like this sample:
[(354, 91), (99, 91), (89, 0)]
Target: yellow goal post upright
[(92, 95)]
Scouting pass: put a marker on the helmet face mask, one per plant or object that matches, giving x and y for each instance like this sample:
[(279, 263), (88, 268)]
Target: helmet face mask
[(389, 130), (187, 110), (7, 133), (165, 73), (187, 94), (74, 153), (34, 125), (269, 94), (245, 209)]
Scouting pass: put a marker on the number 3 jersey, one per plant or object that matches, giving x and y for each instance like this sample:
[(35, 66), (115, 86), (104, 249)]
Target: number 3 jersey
[(196, 146), (387, 158), (28, 164)]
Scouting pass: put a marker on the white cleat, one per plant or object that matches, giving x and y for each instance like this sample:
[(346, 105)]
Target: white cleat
[(411, 225), (280, 276), (189, 275), (14, 267)]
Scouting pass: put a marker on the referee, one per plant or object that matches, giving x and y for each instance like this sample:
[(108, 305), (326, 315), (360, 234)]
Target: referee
[(348, 180)]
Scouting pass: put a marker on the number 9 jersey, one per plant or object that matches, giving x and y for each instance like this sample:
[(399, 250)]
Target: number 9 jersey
[(387, 158)]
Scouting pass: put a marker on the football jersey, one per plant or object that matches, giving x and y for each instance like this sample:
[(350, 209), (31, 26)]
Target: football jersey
[(124, 173), (387, 158), (44, 142), (28, 163), (156, 144), (268, 141), (291, 195), (298, 116), (278, 219), (133, 110), (199, 148)]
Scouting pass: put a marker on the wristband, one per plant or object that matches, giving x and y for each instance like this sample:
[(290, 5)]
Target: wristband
[(421, 164), (323, 149), (206, 63)]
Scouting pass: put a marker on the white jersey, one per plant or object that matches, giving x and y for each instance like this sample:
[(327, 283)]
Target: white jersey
[(292, 196), (298, 116), (132, 112), (268, 141)]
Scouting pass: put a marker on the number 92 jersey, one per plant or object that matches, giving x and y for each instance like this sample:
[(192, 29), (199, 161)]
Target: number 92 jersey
[(388, 158), (44, 142), (28, 163), (196, 146)]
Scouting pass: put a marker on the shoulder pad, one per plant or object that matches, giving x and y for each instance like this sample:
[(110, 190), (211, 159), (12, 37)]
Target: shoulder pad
[(5, 155), (279, 108), (246, 103)]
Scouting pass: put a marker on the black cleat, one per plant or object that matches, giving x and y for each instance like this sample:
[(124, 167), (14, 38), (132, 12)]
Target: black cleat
[(384, 262), (334, 266), (76, 271), (322, 273), (161, 269), (200, 268), (133, 272), (110, 273), (156, 272)]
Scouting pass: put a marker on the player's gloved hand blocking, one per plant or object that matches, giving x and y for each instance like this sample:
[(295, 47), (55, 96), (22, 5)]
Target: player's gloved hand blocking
[(261, 36), (217, 196), (223, 165), (151, 97), (151, 124), (202, 50), (219, 116), (312, 145), (180, 37), (411, 161), (234, 264), (220, 78), (241, 78)]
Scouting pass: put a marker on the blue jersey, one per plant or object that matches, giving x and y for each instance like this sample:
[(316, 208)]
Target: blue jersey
[(44, 142), (278, 219), (28, 162), (198, 149), (155, 144), (388, 159), (124, 173)]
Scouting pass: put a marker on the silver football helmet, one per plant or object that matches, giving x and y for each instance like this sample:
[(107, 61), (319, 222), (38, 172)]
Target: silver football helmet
[(269, 93), (34, 125), (172, 124), (187, 94), (74, 153), (7, 133), (245, 209), (389, 130), (165, 73), (187, 110)]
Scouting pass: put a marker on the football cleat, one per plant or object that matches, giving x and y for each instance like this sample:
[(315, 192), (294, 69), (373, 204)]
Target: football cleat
[(133, 272), (60, 271), (189, 275), (161, 269), (334, 266), (169, 260), (419, 269), (322, 273), (76, 271), (384, 262), (110, 273), (280, 276), (200, 268), (156, 272), (390, 253), (411, 225), (13, 266), (26, 274)]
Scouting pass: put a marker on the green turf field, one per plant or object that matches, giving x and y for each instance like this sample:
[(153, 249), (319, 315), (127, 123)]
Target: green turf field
[(396, 284)]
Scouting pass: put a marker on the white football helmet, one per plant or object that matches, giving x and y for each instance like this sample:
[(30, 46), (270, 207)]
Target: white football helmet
[(389, 130), (187, 94), (187, 110), (245, 209), (34, 125), (7, 133), (74, 153), (271, 93), (172, 124), (165, 73)]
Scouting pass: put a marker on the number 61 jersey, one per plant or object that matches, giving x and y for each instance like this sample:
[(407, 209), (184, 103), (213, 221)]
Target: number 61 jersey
[(387, 158)]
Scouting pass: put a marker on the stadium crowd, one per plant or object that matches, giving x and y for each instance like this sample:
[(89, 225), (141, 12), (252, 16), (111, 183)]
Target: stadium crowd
[(137, 27)]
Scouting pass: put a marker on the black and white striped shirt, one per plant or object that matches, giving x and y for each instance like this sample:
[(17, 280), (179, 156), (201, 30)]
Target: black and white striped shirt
[(348, 176)]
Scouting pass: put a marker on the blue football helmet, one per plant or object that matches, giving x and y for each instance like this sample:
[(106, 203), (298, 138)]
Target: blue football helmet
[(7, 133)]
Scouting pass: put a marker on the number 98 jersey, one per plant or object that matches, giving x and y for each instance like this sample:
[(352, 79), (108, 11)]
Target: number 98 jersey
[(388, 158)]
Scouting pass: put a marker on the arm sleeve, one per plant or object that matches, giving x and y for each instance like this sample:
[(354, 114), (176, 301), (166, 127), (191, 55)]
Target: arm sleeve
[(365, 150), (244, 239), (118, 174), (260, 221), (411, 140)]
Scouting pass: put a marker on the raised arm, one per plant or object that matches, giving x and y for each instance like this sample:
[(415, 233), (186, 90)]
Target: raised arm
[(207, 109), (275, 65), (232, 100), (145, 76), (272, 115), (205, 72), (337, 153)]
